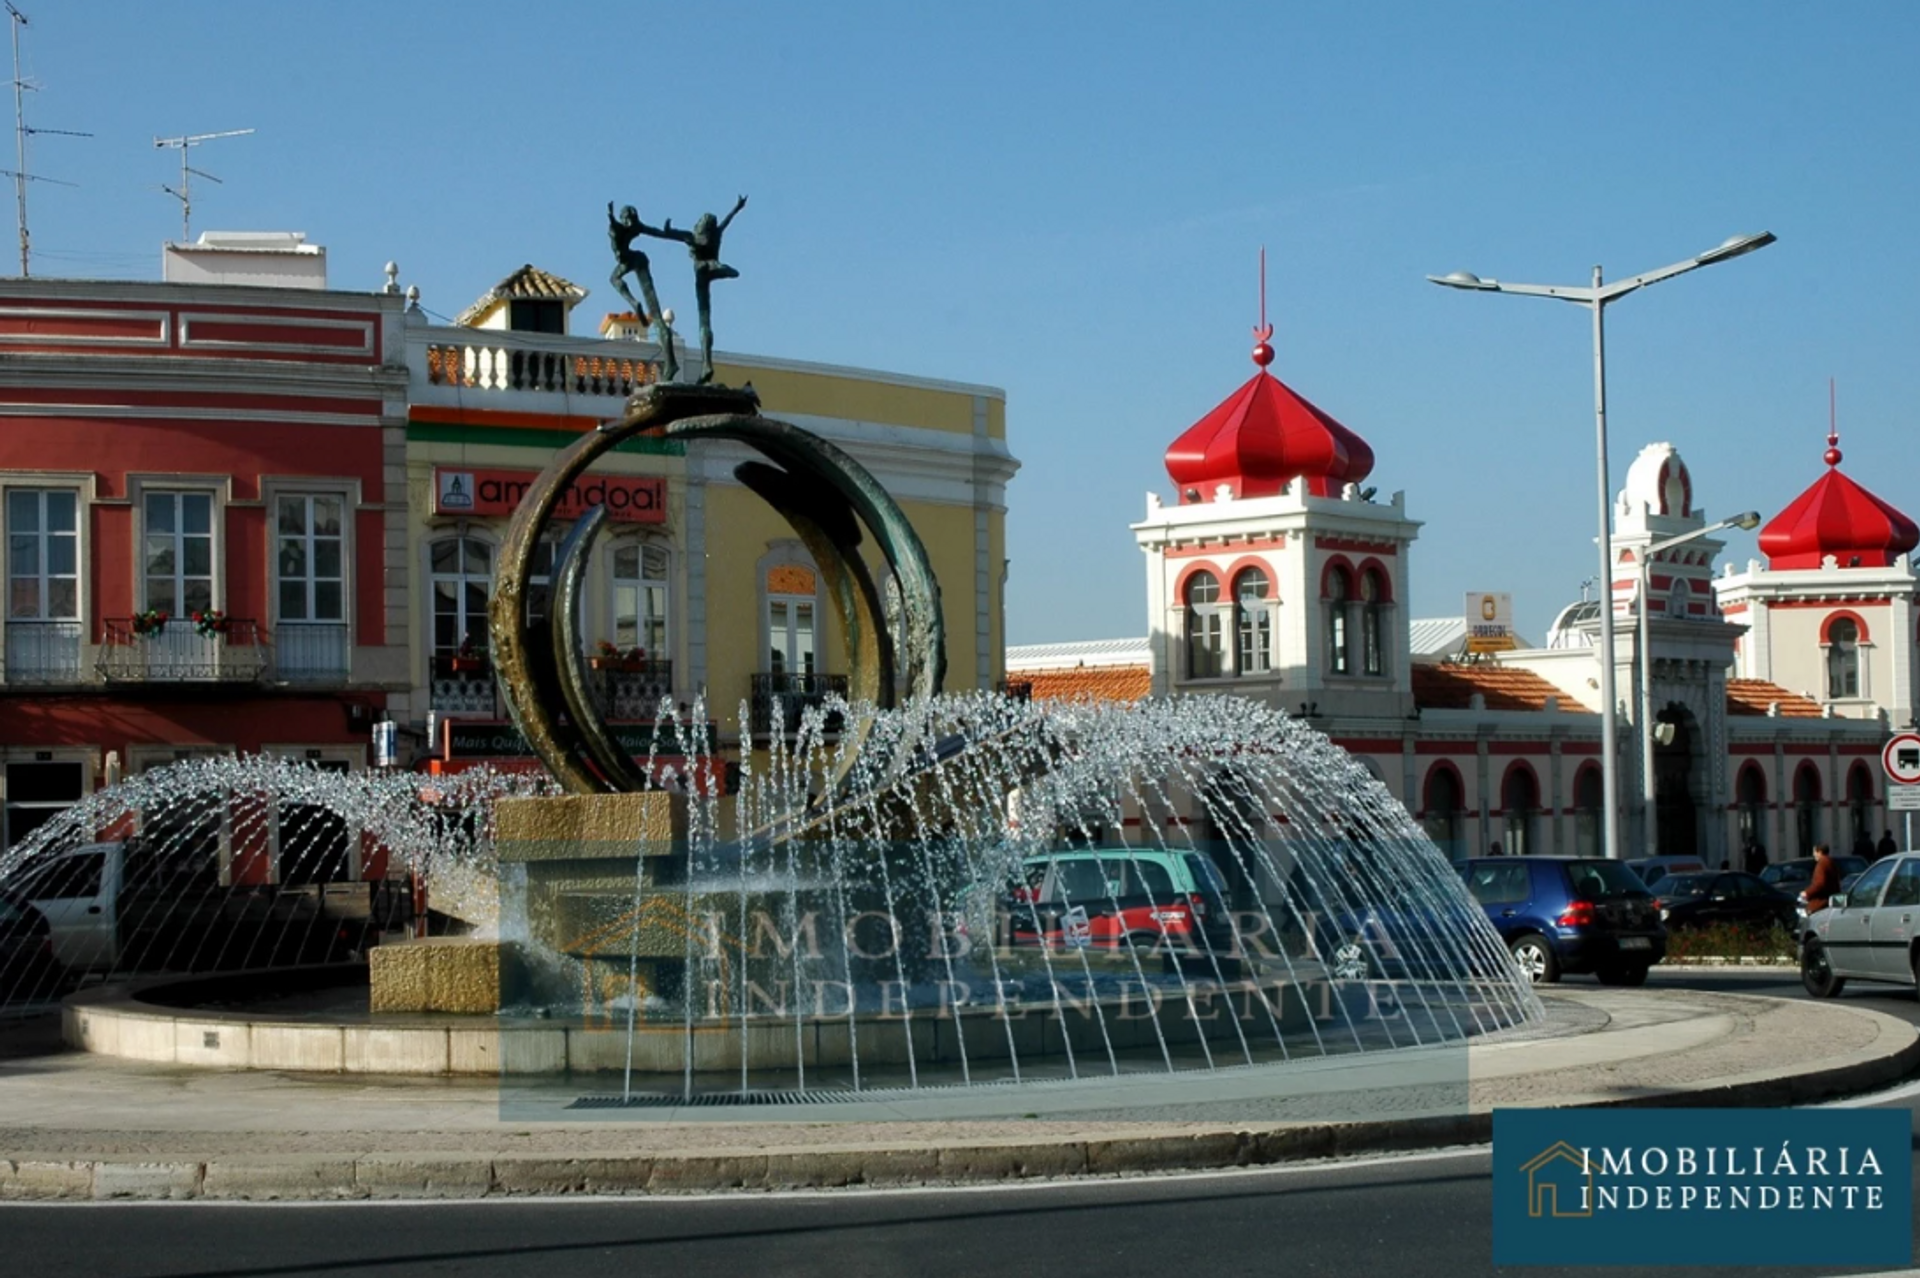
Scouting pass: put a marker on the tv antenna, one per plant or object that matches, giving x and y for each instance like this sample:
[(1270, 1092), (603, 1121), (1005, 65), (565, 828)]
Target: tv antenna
[(187, 172), (21, 132)]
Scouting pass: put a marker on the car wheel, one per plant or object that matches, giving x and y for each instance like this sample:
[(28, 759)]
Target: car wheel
[(1816, 972), (1633, 975), (1351, 961), (1536, 959)]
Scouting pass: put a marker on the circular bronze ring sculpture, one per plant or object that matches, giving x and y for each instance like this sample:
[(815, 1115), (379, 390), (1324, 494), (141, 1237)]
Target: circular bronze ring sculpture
[(822, 492)]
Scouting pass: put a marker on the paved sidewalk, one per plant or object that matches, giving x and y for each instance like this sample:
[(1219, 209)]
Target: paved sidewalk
[(74, 1125)]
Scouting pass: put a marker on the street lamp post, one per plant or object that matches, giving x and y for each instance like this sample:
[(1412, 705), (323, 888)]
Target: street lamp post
[(1596, 297), (1748, 520)]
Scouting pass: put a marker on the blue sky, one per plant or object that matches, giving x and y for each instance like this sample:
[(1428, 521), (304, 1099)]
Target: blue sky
[(1068, 200)]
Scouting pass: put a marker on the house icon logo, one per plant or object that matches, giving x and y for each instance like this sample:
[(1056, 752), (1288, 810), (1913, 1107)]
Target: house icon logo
[(456, 490), (1559, 1174)]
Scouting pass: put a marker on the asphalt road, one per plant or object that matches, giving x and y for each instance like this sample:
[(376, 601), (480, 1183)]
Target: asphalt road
[(1410, 1215), (1407, 1215)]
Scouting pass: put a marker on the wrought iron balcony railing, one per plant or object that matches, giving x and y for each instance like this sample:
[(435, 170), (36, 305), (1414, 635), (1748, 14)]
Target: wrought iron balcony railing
[(175, 651), (463, 685), (41, 653), (311, 652), (631, 689), (781, 701)]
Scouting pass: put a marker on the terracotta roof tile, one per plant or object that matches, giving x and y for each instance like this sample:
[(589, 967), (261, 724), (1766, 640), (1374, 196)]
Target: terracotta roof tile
[(527, 282), (1753, 696), (1100, 683), (1448, 687)]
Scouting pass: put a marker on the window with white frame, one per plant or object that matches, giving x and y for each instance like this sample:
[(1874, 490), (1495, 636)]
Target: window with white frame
[(310, 557), (640, 599), (43, 555), (1373, 622), (1206, 620), (791, 630), (1253, 621), (461, 569), (1339, 590), (1843, 659), (177, 564)]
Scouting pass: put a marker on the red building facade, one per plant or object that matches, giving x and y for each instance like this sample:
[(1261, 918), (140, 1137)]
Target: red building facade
[(203, 495)]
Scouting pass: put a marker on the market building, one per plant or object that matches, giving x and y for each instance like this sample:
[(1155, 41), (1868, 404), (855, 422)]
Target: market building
[(1276, 573)]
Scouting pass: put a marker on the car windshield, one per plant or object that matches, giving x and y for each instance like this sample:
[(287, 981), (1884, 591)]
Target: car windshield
[(1788, 872), (1598, 880), (1851, 864), (1683, 885)]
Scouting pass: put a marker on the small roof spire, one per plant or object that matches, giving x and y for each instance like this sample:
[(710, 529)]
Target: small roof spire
[(1832, 456), (1262, 351)]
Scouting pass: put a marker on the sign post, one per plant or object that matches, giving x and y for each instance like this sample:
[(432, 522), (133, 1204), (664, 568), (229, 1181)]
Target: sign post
[(1901, 760)]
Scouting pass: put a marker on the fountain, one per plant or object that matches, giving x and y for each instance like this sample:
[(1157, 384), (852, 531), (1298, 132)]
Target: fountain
[(911, 892)]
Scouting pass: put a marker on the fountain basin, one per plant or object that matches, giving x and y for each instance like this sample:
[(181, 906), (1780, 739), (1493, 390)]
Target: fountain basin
[(320, 1020)]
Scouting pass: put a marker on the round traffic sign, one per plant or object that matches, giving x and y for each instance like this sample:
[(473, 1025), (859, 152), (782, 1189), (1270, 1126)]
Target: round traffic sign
[(1901, 759)]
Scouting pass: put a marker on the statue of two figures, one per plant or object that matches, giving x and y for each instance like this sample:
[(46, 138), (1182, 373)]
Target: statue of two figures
[(703, 245)]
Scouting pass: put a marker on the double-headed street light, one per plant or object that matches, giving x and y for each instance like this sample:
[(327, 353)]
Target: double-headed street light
[(1595, 297), (1748, 520)]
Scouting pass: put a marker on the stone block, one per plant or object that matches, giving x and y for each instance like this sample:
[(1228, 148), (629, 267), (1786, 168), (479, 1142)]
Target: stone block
[(584, 827), (572, 1175), (423, 1175), (45, 1178), (92, 1030), (507, 1051), (445, 974), (311, 1048), (399, 977), (222, 1044), (146, 1180), (277, 1176), (395, 1051), (146, 1038)]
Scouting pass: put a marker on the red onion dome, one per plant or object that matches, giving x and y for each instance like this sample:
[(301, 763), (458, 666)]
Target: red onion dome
[(1259, 439), (1840, 518)]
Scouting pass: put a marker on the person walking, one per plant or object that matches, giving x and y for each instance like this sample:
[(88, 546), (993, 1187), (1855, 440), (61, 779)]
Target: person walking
[(1753, 857), (1886, 846), (1825, 882), (1863, 844)]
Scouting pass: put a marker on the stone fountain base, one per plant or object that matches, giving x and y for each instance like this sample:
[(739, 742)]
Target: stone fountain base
[(459, 974)]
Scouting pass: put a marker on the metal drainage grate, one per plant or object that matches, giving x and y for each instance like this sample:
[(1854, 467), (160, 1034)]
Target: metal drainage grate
[(652, 1100)]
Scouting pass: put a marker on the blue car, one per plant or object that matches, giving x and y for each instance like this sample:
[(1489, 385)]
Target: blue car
[(1566, 915)]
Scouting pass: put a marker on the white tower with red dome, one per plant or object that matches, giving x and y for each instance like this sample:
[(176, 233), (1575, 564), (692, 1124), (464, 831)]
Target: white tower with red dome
[(1831, 614), (1272, 574)]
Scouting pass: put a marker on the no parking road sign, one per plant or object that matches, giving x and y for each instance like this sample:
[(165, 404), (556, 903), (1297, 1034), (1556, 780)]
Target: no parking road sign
[(1901, 759)]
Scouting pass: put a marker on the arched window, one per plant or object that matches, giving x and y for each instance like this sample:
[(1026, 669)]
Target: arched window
[(1806, 808), (1205, 622), (1588, 797), (1860, 804), (1442, 817), (1253, 621), (1679, 599), (1373, 630), (1339, 592), (640, 600), (1520, 798), (1750, 802), (462, 577), (1843, 659)]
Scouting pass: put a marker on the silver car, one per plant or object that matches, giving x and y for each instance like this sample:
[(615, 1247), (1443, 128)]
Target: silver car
[(1867, 933)]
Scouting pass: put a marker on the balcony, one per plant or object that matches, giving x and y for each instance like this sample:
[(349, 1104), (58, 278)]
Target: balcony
[(177, 652), (41, 653), (463, 685), (311, 652), (784, 699), (631, 689)]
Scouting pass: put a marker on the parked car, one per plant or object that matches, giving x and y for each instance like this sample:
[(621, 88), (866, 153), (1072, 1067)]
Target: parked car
[(1563, 915), (1793, 876), (1650, 868), (1168, 902), (1700, 900), (29, 973), (1867, 934)]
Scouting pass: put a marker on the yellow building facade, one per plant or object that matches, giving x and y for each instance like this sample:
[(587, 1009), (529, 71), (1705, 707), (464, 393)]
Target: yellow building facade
[(698, 589)]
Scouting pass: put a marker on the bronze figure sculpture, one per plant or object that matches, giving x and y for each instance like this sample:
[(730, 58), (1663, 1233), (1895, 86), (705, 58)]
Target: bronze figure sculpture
[(703, 245), (628, 260)]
